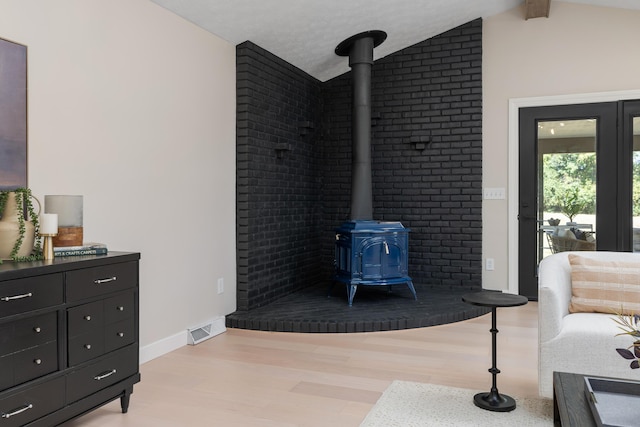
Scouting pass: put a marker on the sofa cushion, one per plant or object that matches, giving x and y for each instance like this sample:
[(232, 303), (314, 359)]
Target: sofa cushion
[(604, 286)]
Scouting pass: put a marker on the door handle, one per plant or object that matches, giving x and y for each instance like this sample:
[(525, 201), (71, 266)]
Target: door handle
[(527, 217)]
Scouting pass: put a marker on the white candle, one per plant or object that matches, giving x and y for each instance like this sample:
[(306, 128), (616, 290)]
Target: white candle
[(49, 223)]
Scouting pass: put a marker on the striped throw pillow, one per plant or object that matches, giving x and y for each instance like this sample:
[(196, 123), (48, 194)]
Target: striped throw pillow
[(604, 286)]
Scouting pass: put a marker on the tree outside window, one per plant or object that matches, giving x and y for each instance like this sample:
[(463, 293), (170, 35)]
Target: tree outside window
[(569, 183)]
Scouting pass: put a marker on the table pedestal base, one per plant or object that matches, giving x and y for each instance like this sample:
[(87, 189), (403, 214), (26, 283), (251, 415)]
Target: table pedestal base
[(494, 401)]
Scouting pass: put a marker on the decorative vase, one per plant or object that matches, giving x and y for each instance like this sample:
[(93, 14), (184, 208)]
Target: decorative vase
[(10, 230)]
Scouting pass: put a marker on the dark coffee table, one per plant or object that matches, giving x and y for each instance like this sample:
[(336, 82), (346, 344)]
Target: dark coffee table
[(570, 405), (494, 401)]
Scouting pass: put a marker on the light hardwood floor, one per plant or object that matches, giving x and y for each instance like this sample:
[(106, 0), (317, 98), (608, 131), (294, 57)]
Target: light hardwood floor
[(252, 378)]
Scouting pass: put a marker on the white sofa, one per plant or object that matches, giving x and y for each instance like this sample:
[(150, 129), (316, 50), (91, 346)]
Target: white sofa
[(583, 343)]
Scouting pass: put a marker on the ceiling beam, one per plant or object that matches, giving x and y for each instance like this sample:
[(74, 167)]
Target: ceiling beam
[(536, 8)]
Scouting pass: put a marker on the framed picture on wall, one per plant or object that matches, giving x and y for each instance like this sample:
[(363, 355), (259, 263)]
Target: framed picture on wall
[(13, 115)]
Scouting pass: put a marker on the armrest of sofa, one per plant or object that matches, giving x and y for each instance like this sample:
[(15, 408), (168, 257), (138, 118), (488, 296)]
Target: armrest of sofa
[(554, 294), (554, 287)]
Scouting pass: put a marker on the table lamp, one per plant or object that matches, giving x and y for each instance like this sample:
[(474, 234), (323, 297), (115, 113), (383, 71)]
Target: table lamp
[(48, 230)]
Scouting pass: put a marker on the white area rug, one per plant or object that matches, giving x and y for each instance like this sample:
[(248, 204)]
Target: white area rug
[(409, 404)]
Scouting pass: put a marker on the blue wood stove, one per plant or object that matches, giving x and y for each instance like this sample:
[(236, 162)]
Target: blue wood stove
[(372, 253), (368, 252)]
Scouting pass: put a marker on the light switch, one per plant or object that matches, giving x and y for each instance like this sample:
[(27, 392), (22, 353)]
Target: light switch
[(496, 193)]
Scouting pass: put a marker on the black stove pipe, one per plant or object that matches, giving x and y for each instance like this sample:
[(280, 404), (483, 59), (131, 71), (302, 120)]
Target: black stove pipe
[(359, 48)]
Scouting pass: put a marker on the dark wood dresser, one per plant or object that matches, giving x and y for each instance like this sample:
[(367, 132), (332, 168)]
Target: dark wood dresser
[(68, 337)]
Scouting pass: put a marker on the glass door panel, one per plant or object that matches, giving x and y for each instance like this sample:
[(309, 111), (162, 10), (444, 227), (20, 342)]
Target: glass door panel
[(568, 154), (566, 177)]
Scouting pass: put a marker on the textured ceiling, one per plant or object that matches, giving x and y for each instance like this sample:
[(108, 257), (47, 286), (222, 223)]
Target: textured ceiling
[(306, 32)]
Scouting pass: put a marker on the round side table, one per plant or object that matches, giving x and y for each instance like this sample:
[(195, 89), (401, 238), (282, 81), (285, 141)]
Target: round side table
[(494, 401)]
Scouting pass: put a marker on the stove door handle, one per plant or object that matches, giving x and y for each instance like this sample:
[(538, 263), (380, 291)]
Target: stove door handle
[(386, 247)]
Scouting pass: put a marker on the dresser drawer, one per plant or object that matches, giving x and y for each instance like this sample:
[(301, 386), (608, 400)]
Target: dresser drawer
[(118, 335), (35, 362), (29, 364), (31, 293), (22, 344), (119, 307), (85, 318), (86, 347), (95, 281), (38, 401), (16, 336), (108, 371)]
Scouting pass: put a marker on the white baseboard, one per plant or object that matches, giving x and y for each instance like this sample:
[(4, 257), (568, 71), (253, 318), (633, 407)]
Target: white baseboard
[(174, 342), (164, 346)]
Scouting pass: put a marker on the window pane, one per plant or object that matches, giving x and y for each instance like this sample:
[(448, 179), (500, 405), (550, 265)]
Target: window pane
[(566, 185)]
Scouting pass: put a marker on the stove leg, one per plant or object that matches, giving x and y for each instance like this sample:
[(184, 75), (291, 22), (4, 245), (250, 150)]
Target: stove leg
[(412, 289), (351, 292)]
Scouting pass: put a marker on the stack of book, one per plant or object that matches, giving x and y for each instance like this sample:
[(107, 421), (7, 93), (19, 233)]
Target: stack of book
[(89, 248)]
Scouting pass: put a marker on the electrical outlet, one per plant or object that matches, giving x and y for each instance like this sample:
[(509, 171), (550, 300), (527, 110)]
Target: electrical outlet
[(489, 264), (220, 285)]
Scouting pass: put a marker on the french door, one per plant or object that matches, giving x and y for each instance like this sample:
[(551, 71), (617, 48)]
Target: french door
[(579, 185)]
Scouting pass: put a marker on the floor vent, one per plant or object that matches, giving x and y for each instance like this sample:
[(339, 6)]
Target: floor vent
[(206, 331)]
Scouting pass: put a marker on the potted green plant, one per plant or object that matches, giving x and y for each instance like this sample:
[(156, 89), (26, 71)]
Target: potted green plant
[(630, 325), (572, 203), (18, 231)]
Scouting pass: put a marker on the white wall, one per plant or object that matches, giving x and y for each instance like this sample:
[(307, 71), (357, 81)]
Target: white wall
[(577, 50), (134, 108)]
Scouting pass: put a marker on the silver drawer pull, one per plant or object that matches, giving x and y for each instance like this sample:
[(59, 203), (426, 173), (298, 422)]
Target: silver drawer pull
[(87, 318), (87, 346), (104, 375), (37, 329), (38, 361), (17, 411), (107, 280), (120, 334), (17, 297), (120, 308)]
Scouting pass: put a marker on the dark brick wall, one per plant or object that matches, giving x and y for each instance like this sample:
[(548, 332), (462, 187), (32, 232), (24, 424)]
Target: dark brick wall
[(278, 198), (294, 164), (427, 154)]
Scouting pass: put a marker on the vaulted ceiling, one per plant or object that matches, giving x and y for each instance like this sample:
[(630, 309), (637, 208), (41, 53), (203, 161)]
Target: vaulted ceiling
[(306, 32)]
